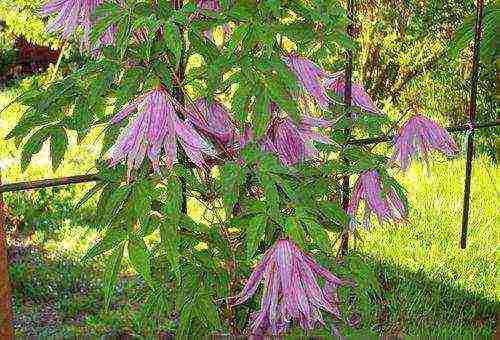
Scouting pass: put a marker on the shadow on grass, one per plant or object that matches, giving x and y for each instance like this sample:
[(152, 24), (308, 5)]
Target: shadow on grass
[(395, 301), (62, 297)]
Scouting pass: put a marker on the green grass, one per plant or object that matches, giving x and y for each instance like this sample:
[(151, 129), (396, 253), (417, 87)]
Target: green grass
[(413, 278)]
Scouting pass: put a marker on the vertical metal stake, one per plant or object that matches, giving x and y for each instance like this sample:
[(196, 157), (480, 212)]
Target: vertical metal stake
[(6, 331), (344, 245), (472, 121)]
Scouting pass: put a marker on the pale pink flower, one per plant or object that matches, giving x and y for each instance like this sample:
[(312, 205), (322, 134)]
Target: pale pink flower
[(421, 135), (383, 201), (291, 143), (72, 14), (359, 96), (310, 77), (156, 127), (214, 120), (291, 292)]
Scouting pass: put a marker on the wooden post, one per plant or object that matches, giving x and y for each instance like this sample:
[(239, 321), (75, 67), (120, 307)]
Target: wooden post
[(472, 122), (6, 331)]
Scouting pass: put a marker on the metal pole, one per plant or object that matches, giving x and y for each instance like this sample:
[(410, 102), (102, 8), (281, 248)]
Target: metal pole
[(389, 138), (6, 331), (52, 182), (55, 182), (344, 244), (472, 121)]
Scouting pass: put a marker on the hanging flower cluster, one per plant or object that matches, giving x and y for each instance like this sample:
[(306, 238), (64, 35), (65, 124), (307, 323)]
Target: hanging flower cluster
[(317, 81), (291, 292), (423, 135), (291, 143), (360, 97), (72, 14), (156, 127), (215, 120), (384, 202)]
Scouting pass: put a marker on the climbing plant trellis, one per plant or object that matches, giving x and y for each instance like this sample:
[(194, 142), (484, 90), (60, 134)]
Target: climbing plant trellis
[(470, 128)]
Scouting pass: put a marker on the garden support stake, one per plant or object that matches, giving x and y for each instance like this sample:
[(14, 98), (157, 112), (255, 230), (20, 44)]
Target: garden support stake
[(472, 121), (344, 244), (5, 289)]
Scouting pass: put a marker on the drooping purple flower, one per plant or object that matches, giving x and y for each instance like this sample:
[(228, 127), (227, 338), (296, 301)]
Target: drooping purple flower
[(310, 76), (421, 135), (74, 13), (213, 119), (360, 97), (291, 292), (291, 143), (385, 203), (156, 127)]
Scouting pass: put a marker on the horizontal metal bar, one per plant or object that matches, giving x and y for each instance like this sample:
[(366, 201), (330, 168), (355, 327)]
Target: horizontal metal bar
[(388, 138), (51, 182), (56, 182)]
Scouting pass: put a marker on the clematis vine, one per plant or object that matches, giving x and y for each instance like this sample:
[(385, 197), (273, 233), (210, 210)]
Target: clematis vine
[(156, 127), (360, 97), (291, 292), (421, 135), (384, 202), (310, 77), (72, 14)]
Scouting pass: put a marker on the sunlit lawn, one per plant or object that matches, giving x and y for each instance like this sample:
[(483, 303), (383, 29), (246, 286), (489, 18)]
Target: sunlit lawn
[(414, 279)]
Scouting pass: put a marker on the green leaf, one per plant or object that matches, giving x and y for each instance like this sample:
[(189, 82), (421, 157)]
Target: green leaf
[(123, 34), (33, 146), (239, 102), (96, 188), (316, 232), (293, 230), (58, 145), (113, 265), (254, 233), (262, 114), (139, 258), (232, 178), (170, 243), (112, 238), (173, 38), (141, 198), (333, 212)]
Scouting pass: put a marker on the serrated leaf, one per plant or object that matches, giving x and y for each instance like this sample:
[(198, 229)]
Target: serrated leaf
[(254, 232), (113, 265), (231, 180), (170, 243), (293, 230), (262, 115), (173, 39), (139, 258), (112, 237), (239, 102), (33, 146), (58, 145), (333, 212), (96, 188)]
